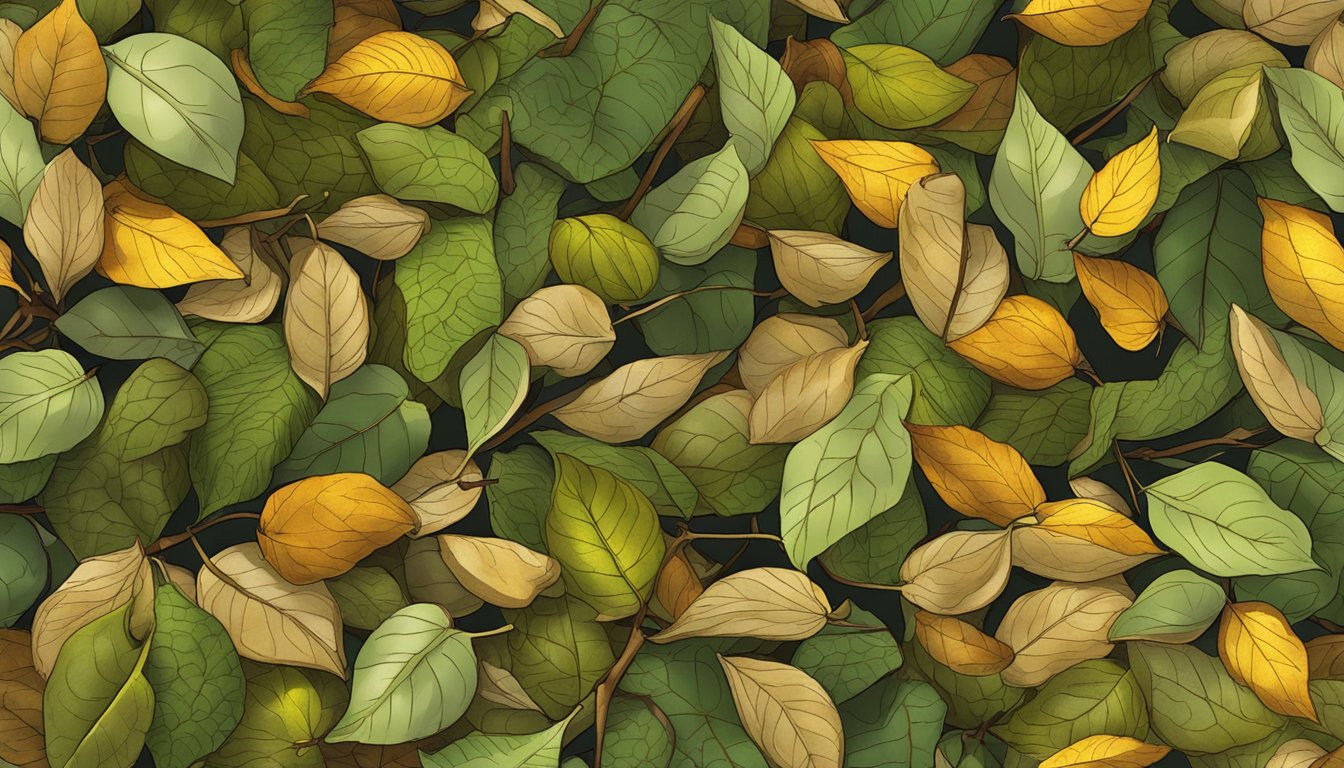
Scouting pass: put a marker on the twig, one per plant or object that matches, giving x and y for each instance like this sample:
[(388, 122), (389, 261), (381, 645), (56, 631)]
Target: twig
[(858, 319), (572, 41), (1329, 625), (1130, 479), (253, 217), (505, 156), (468, 485), (171, 541), (679, 122), (682, 294), (1237, 438), (528, 418), (890, 296), (1078, 238), (22, 509), (1117, 109)]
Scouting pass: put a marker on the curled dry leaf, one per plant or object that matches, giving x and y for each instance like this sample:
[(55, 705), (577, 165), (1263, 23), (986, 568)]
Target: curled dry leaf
[(975, 475), (1130, 302), (565, 327), (1289, 405), (326, 317), (782, 340), (636, 397), (958, 572), (499, 571), (269, 618), (378, 226), (808, 61), (247, 299), (396, 77), (152, 246), (59, 75), (1082, 22), (1080, 540), (820, 268), (356, 20), (433, 488), (960, 646), (1304, 267), (877, 174), (1054, 628), (21, 741), (321, 526), (64, 228), (765, 603), (1026, 343), (494, 13), (1291, 22), (1260, 651), (1092, 488), (1118, 198), (803, 397), (1106, 752), (787, 713)]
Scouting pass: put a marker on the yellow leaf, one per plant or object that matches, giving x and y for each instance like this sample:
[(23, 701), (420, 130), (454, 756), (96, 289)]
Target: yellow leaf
[(1289, 405), (7, 269), (1098, 523), (1291, 22), (958, 572), (321, 526), (787, 713), (1325, 657), (1304, 267), (960, 646), (1080, 540), (378, 226), (326, 317), (500, 572), (1261, 652), (1129, 301), (1082, 22), (1054, 628), (248, 299), (432, 487), (152, 246), (975, 475), (636, 397), (877, 174), (820, 268), (1119, 196), (805, 396), (64, 228), (59, 74), (1025, 343), (766, 603), (396, 77), (677, 586), (1106, 752), (565, 327)]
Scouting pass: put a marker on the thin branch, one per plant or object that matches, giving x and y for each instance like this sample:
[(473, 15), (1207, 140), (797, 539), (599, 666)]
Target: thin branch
[(572, 41), (679, 122), (858, 319), (172, 541), (890, 296), (683, 294), (837, 578), (22, 509), (528, 418), (1237, 438), (505, 156), (1130, 479), (468, 485), (1117, 109)]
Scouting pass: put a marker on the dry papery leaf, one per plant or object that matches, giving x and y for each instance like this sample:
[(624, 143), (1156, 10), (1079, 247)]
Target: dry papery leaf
[(378, 226), (767, 603), (636, 397), (1080, 540), (806, 395), (21, 741), (433, 488), (564, 327), (787, 713), (822, 269), (499, 571), (247, 299), (1285, 401), (958, 572), (326, 317), (1296, 753), (1054, 628), (64, 228), (782, 340)]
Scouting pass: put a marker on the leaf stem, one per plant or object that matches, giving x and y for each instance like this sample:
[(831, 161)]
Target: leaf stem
[(1117, 109), (22, 509), (171, 541), (491, 632), (1237, 438), (679, 122), (572, 41)]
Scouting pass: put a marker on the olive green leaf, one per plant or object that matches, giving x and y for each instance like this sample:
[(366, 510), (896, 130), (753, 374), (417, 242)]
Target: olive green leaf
[(1042, 425), (47, 404), (367, 595), (21, 165), (198, 195), (24, 573), (486, 750), (948, 390), (638, 734), (797, 189), (670, 491), (1092, 698), (707, 321), (943, 30), (521, 495), (605, 255), (285, 711), (890, 718), (523, 229), (846, 660), (874, 552), (900, 87), (970, 700), (431, 164), (286, 43), (1176, 608), (128, 323), (692, 215), (317, 156), (755, 96), (217, 27), (1311, 110), (557, 652), (493, 383)]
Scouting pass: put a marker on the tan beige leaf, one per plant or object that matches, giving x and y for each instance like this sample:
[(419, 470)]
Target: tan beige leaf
[(1291, 22), (1092, 488), (1026, 343), (1106, 752), (499, 686), (565, 327), (429, 580), (677, 586), (494, 13), (7, 270), (1129, 301), (636, 397), (354, 21), (21, 740), (378, 226), (819, 268), (975, 475), (182, 578), (9, 36), (787, 713), (1325, 57), (395, 76), (247, 299), (1080, 540), (151, 245), (1054, 628), (765, 603), (59, 74), (1304, 267), (64, 228), (960, 646), (1289, 405), (268, 618), (803, 397), (1260, 651), (499, 571), (98, 586), (782, 340), (1297, 753), (958, 572), (823, 9), (1334, 759), (1194, 63), (1325, 657), (807, 61), (326, 318), (877, 174), (433, 488)]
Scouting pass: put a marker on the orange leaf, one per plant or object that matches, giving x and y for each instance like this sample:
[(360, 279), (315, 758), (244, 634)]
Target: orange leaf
[(59, 74), (1130, 302), (960, 646), (975, 475), (1025, 343)]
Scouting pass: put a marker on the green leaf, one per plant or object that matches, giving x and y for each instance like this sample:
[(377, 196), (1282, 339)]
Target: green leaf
[(1228, 117), (1043, 425), (638, 734), (178, 100), (1035, 187), (874, 552), (892, 718), (1274, 177), (557, 652), (198, 195), (367, 596), (431, 164), (1176, 608), (21, 165), (128, 323), (1099, 697), (218, 27), (287, 42), (1311, 111), (605, 534), (158, 406), (315, 156), (523, 229), (605, 255), (652, 475), (846, 660), (488, 750), (797, 189), (197, 680), (948, 390), (452, 289), (1194, 705), (258, 410), (23, 480), (1224, 523), (521, 495), (285, 713), (844, 474), (97, 705), (970, 700), (755, 95), (47, 404), (692, 215), (943, 30), (368, 424), (900, 87), (708, 321), (494, 383), (23, 567)]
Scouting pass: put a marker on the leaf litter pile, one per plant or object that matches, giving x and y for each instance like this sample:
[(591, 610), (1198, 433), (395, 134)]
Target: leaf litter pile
[(650, 383)]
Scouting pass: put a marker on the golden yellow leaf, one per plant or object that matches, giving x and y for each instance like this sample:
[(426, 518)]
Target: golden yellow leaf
[(357, 20), (804, 396), (1304, 267), (877, 174), (429, 580), (326, 317), (7, 270), (1025, 343), (1119, 196), (1129, 301), (1325, 657), (321, 526), (59, 74), (958, 572), (787, 713), (1261, 652), (1291, 22), (767, 603), (21, 727), (500, 572), (1106, 752), (1325, 57), (248, 299), (1289, 405), (1082, 22), (636, 397), (677, 586), (397, 77), (1098, 523), (1054, 628), (433, 488), (782, 340), (1296, 753), (9, 37), (378, 226), (1091, 488), (151, 245), (960, 646), (565, 327), (1080, 540), (64, 228), (975, 475), (820, 268)]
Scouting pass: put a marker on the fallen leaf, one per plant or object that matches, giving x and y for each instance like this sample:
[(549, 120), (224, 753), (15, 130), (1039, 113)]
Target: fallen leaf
[(1106, 752), (787, 713), (1289, 404), (1296, 753), (494, 13), (958, 572), (396, 77), (499, 571), (59, 75), (1092, 488), (1054, 628), (1130, 302), (1261, 652), (9, 36), (820, 268), (803, 397), (766, 603), (781, 340), (1325, 57), (152, 246), (1325, 657), (7, 270), (354, 21), (877, 174), (823, 9), (1025, 343), (378, 226), (242, 69), (1118, 197), (975, 475), (636, 397), (565, 327), (1080, 540), (247, 299), (960, 646), (21, 728), (499, 686), (1291, 22), (1304, 267), (677, 586), (807, 61), (1082, 22), (326, 317), (432, 486), (64, 228)]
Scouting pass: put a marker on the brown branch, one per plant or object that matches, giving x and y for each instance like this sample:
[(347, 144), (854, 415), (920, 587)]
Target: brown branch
[(528, 418), (21, 509), (890, 296), (468, 485), (1328, 625), (1237, 438), (749, 236), (1117, 109), (683, 294), (679, 122), (253, 217), (1130, 479), (858, 319), (171, 541), (505, 156), (572, 41)]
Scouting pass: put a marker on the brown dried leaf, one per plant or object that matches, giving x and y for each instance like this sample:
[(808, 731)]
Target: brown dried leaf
[(811, 60), (803, 397), (429, 580), (326, 318), (958, 572), (565, 327), (961, 646), (21, 741), (354, 21), (64, 228), (378, 226), (1054, 628), (787, 713), (1325, 57), (782, 340), (636, 397), (248, 299), (766, 603)]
